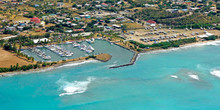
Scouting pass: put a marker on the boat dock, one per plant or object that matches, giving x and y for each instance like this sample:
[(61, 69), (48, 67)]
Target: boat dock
[(60, 51), (40, 53), (134, 58)]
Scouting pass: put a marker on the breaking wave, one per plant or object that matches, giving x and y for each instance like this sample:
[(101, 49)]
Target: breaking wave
[(78, 63), (194, 76), (75, 87), (174, 76), (215, 73)]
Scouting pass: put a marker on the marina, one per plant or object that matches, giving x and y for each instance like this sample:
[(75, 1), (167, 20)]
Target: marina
[(98, 47), (40, 53), (84, 47), (60, 51)]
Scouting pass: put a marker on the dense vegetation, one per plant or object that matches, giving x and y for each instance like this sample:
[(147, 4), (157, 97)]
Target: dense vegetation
[(155, 14), (25, 67), (9, 47), (28, 41), (91, 56), (193, 19), (10, 32), (165, 45), (213, 37)]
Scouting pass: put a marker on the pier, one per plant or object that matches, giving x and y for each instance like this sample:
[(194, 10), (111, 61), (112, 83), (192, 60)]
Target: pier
[(134, 58)]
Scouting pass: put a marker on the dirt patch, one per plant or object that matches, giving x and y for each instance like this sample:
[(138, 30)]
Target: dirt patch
[(7, 59), (103, 57), (133, 25)]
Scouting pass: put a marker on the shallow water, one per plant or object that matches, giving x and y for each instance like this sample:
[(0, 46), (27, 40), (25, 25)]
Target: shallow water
[(100, 46), (148, 84)]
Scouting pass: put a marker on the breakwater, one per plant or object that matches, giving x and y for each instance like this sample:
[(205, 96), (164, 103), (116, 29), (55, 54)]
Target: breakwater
[(134, 58), (132, 61)]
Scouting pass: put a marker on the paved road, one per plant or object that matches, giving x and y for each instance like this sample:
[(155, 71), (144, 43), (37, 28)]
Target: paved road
[(6, 38)]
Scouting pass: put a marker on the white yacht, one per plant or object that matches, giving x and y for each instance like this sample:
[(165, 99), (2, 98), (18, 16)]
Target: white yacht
[(83, 47), (92, 40), (89, 49), (76, 45), (60, 51), (41, 54)]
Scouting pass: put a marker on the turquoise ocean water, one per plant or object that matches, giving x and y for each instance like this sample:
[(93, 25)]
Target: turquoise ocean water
[(183, 79)]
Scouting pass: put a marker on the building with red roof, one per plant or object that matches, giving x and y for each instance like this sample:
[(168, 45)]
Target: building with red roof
[(151, 22), (35, 20), (75, 30), (104, 5)]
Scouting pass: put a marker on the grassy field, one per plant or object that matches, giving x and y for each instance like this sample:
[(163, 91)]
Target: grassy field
[(49, 25), (27, 8), (133, 25), (19, 18), (32, 33)]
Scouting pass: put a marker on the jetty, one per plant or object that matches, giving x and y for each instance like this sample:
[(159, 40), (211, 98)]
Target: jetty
[(134, 58)]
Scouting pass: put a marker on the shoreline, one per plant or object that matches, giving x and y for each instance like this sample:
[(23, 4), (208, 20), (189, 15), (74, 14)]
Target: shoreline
[(137, 54), (200, 43), (38, 70), (132, 61), (99, 58)]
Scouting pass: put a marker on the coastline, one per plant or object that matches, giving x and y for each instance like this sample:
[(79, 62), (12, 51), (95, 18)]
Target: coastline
[(81, 60), (132, 61), (137, 54), (38, 70), (195, 44)]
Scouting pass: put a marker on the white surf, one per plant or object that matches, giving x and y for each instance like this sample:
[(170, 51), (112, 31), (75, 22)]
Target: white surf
[(75, 87)]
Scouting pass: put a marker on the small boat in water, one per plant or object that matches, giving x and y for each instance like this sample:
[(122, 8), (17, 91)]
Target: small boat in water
[(41, 54), (60, 51), (92, 40), (99, 38), (76, 45), (83, 47), (67, 42), (89, 49)]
